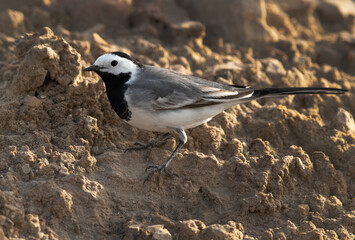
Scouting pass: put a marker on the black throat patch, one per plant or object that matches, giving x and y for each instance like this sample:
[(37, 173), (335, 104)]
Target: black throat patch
[(116, 86)]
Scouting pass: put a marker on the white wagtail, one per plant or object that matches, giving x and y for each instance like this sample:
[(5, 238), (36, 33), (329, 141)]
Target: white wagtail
[(162, 100)]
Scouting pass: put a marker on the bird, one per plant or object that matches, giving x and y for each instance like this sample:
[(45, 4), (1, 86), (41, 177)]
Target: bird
[(162, 100)]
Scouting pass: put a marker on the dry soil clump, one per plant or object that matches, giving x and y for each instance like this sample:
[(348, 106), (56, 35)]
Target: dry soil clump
[(273, 169)]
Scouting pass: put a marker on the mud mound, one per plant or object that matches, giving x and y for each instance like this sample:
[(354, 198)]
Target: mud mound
[(273, 169)]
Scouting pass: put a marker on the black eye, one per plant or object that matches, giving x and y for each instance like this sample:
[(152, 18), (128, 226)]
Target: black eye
[(114, 63)]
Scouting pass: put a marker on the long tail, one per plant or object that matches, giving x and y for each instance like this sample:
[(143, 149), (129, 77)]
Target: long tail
[(265, 92)]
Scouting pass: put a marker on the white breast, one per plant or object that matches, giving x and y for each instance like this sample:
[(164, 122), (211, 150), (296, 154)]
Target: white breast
[(167, 120)]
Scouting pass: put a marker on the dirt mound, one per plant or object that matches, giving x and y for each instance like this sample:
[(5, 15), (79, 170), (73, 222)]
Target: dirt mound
[(273, 169)]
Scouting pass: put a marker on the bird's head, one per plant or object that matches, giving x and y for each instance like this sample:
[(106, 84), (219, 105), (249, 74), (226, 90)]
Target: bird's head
[(114, 63)]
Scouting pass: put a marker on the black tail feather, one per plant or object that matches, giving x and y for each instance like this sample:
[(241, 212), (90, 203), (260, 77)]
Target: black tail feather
[(264, 92)]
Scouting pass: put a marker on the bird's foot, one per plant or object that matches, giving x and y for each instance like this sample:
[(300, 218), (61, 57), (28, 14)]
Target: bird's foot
[(158, 169), (154, 143), (141, 146)]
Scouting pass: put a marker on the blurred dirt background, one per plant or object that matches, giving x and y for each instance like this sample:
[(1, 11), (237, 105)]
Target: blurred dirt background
[(270, 169)]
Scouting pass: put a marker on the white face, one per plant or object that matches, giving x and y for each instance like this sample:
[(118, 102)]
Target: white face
[(114, 64)]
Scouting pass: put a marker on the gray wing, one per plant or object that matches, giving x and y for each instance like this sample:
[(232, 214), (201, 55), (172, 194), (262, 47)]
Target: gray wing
[(165, 89)]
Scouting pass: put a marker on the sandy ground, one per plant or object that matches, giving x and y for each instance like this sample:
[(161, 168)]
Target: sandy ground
[(270, 169)]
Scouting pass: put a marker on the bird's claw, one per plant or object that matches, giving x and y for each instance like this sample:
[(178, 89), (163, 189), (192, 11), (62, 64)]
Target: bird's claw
[(154, 143), (138, 146), (160, 169)]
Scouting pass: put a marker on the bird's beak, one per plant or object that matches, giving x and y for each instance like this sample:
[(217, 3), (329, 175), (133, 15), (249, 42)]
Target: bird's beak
[(92, 68)]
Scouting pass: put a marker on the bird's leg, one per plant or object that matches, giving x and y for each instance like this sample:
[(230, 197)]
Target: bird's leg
[(160, 168), (153, 143)]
